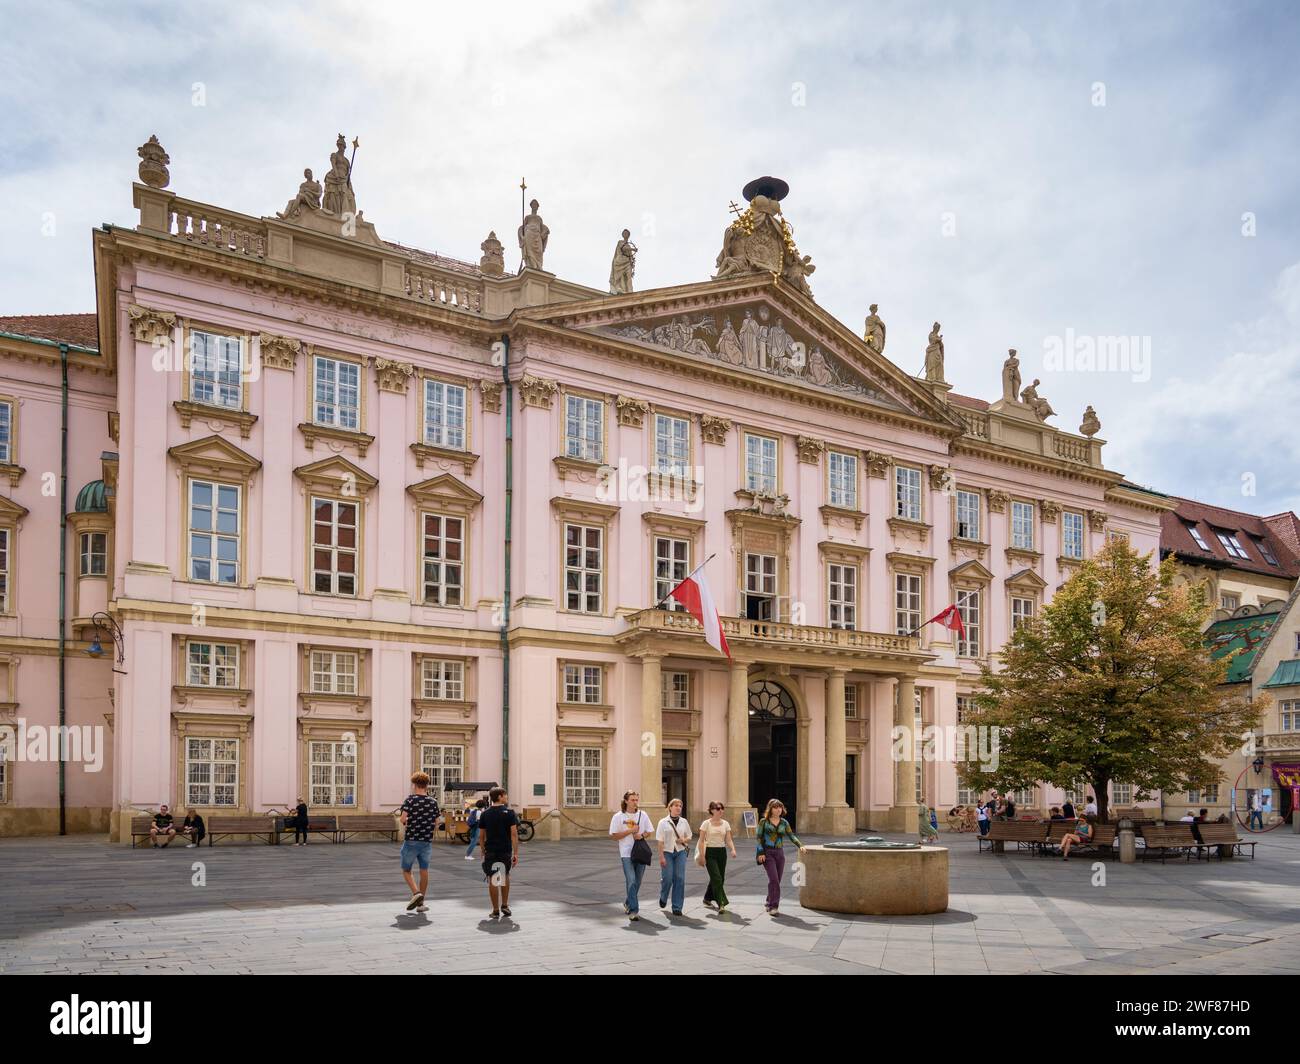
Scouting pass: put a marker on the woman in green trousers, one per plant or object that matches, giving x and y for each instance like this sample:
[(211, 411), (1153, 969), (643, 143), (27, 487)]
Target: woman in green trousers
[(715, 841)]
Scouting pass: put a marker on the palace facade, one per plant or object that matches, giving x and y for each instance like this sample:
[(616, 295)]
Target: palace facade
[(357, 509)]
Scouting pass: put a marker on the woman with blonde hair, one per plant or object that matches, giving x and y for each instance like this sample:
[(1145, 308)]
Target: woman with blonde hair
[(773, 830)]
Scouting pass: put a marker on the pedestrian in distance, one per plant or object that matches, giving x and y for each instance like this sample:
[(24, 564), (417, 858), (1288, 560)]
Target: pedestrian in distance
[(419, 814), (499, 826), (474, 817), (300, 820)]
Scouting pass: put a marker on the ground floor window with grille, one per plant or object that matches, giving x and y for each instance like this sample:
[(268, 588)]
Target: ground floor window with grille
[(582, 776), (444, 764), (334, 773), (212, 772)]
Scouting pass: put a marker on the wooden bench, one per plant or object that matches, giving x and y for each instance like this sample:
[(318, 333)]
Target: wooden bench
[(1103, 837), (1022, 833), (227, 826), (359, 823), (1224, 839), (1176, 837), (316, 825)]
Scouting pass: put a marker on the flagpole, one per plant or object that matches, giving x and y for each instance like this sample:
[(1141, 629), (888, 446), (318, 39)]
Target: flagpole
[(960, 598), (683, 580)]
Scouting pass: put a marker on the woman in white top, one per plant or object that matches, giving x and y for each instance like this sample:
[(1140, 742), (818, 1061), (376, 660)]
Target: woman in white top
[(674, 838), (715, 841), (630, 827)]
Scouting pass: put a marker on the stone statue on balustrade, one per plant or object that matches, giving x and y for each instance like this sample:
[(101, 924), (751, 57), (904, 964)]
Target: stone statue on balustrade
[(874, 331), (1041, 407), (339, 198), (493, 262), (1011, 377), (533, 235), (1091, 423), (623, 266), (153, 163), (308, 198), (796, 273), (934, 356)]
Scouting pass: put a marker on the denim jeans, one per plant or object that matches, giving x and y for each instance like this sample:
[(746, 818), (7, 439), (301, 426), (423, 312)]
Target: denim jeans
[(633, 873), (673, 875), (1257, 819), (416, 851), (473, 841)]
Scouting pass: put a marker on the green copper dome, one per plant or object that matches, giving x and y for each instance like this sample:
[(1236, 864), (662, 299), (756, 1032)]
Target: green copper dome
[(92, 499)]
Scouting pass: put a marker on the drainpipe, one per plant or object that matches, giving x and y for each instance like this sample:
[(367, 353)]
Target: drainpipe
[(505, 598), (63, 593)]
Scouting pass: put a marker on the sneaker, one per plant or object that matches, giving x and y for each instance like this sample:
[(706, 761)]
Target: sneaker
[(495, 914), (722, 908), (663, 904), (774, 912), (634, 916), (421, 908), (677, 912), (626, 909), (416, 901), (710, 903), (469, 857), (189, 845), (505, 910)]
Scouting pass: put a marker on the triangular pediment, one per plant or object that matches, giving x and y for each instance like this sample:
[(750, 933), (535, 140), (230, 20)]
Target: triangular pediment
[(970, 570), (1026, 579), (336, 473), (10, 510), (214, 454), (753, 325), (444, 489)]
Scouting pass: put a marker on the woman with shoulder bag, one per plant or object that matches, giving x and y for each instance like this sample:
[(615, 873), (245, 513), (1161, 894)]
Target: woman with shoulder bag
[(715, 841), (674, 838), (630, 827)]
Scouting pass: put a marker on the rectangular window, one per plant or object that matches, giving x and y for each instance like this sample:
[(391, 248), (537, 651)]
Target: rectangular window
[(1265, 551), (4, 570), (334, 547), (850, 701), (1022, 611), (843, 472), (672, 565), (1022, 525), (907, 603), (583, 568), (1121, 794), (1229, 602), (1196, 535), (444, 415), (676, 690), (212, 772), (212, 665), (333, 773), (1231, 544), (584, 684), (443, 558), (6, 432), (760, 464), (444, 764), (907, 493), (968, 606), (94, 553), (842, 599), (965, 796), (760, 587), (672, 445), (1024, 798), (1112, 537), (333, 672), (1072, 534), (582, 776), (214, 532), (1290, 714), (215, 369), (338, 393), (584, 428), (444, 680), (968, 515)]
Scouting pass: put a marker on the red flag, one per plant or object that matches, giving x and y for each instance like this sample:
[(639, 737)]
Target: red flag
[(694, 594), (950, 618)]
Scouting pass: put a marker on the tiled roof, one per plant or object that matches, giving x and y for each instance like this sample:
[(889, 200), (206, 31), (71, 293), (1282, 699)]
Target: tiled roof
[(79, 329), (1286, 526), (1176, 536), (1287, 674), (441, 261), (1241, 637), (966, 400)]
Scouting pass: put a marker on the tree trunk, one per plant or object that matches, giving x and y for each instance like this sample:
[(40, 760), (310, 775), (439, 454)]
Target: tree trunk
[(1102, 785)]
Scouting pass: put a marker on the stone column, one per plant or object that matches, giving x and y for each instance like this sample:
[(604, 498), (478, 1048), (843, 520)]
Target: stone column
[(738, 743), (839, 817), (903, 815), (650, 741)]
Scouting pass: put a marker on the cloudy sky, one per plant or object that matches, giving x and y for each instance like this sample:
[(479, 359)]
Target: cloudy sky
[(1042, 177)]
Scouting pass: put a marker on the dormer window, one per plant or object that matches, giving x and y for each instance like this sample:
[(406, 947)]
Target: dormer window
[(1196, 535), (1231, 544)]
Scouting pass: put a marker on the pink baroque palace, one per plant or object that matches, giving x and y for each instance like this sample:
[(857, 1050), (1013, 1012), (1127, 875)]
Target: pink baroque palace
[(336, 509)]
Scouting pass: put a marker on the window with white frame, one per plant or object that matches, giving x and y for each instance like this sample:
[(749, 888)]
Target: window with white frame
[(211, 664), (850, 701), (968, 607), (1265, 551), (1024, 798), (907, 603), (1290, 714), (444, 415), (214, 532), (1121, 793), (760, 587), (966, 796), (583, 785), (583, 568), (1296, 648), (333, 672), (760, 463), (1229, 602), (334, 547), (444, 764), (1022, 525), (672, 445), (672, 565), (442, 679), (584, 428), (1072, 534), (4, 569), (968, 515), (338, 393), (842, 470), (6, 432), (907, 493), (918, 730), (676, 690), (1210, 795), (842, 597), (442, 560), (216, 364), (1231, 544), (212, 772), (965, 707), (584, 684), (1075, 793), (1022, 611), (333, 773), (1112, 536), (94, 553), (1196, 535)]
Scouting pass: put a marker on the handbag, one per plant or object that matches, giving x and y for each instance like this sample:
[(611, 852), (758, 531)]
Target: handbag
[(641, 852)]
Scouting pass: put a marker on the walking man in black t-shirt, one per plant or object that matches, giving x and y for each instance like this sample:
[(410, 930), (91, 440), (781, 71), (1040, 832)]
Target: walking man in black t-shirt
[(419, 814), (499, 830)]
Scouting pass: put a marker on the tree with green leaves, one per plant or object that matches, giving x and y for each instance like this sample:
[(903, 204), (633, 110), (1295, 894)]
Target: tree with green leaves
[(1111, 682)]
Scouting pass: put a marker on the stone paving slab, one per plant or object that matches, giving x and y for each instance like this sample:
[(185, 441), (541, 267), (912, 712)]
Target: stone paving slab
[(80, 905)]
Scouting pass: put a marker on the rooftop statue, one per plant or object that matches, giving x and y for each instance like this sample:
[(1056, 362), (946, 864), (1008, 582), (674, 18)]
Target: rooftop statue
[(493, 262), (1041, 407), (153, 163), (533, 235), (874, 331), (1091, 423), (623, 266), (934, 356), (1011, 377), (308, 198), (339, 198), (760, 240)]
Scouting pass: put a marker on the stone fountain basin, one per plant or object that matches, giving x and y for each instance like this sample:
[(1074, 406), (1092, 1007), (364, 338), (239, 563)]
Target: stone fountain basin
[(876, 882)]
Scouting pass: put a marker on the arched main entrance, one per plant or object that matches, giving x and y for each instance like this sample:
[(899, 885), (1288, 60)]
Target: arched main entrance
[(773, 747)]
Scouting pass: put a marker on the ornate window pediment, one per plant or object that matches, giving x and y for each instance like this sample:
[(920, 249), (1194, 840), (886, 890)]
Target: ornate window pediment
[(1026, 580), (445, 492), (971, 571), (334, 474), (215, 457)]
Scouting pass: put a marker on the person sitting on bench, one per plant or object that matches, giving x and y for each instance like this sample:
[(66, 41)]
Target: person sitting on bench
[(193, 829), (162, 827), (1080, 836)]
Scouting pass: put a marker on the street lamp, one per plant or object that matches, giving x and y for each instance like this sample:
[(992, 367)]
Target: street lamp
[(103, 622), (1257, 765)]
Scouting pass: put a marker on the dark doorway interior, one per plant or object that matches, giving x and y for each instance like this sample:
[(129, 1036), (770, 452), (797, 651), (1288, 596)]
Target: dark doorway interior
[(773, 748), (674, 777)]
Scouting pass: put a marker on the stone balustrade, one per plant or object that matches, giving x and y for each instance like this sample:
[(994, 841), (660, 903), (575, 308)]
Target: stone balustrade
[(776, 633), (1073, 449), (444, 287), (977, 424), (200, 224)]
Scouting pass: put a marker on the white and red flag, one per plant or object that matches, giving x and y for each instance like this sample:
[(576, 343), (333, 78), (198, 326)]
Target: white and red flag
[(950, 618), (694, 594)]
